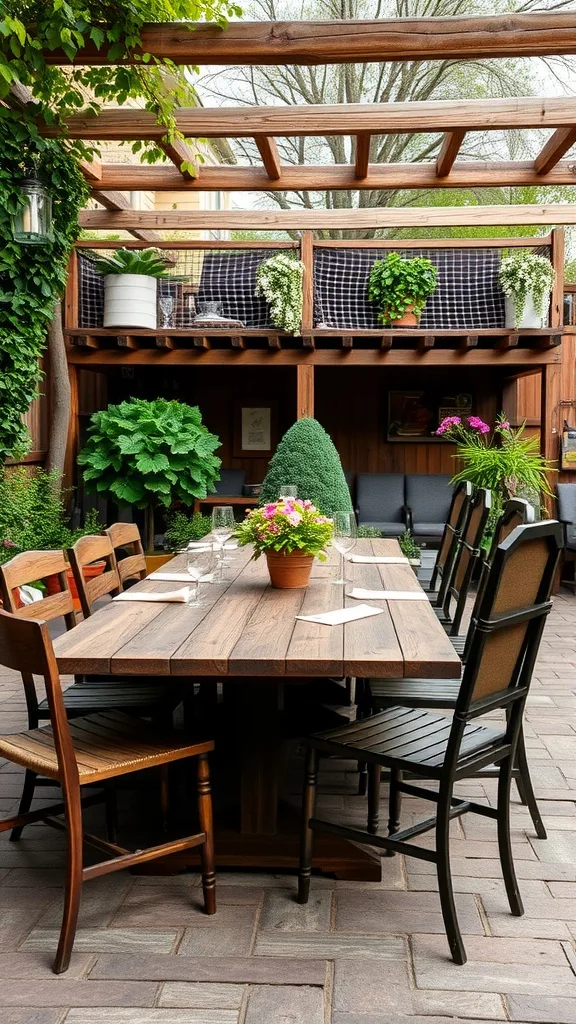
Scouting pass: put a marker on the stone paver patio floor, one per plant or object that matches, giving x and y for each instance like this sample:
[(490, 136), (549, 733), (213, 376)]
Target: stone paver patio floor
[(360, 953)]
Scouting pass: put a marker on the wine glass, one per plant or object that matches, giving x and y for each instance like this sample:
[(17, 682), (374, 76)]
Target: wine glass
[(166, 304), (222, 529), (199, 562), (344, 539), (289, 491)]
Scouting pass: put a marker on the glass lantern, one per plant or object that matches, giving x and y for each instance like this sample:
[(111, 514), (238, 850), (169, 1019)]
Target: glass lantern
[(32, 222)]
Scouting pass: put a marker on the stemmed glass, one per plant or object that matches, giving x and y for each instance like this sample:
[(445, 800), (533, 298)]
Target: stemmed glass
[(289, 491), (222, 529), (344, 539), (166, 304), (199, 562)]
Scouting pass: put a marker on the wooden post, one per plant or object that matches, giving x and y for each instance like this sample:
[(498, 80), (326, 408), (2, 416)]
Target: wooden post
[(307, 257), (549, 417), (72, 292), (304, 390), (73, 429), (557, 307)]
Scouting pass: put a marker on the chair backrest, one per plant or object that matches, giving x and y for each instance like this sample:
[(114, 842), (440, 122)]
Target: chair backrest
[(567, 503), (49, 568), (126, 537), (26, 647), (380, 497), (429, 496), (467, 555), (85, 553), (516, 512), (511, 617), (457, 516), (230, 483)]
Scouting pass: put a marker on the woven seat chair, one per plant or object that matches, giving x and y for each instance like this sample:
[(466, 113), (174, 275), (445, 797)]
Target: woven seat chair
[(125, 541), (92, 749), (379, 694), (154, 699), (497, 675)]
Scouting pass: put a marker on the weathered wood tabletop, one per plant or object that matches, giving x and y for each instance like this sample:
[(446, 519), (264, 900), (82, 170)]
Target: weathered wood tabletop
[(247, 636), (248, 629)]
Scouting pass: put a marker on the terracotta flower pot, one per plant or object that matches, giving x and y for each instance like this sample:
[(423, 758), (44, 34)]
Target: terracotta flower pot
[(89, 572), (289, 571), (408, 320)]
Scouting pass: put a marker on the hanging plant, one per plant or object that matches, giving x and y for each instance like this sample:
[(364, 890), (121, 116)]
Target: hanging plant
[(279, 280), (524, 274)]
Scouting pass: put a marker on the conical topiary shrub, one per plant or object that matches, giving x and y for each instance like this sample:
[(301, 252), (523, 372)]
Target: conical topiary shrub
[(307, 457)]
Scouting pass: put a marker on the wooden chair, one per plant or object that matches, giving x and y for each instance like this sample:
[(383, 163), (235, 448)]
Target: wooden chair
[(92, 749), (126, 537), (379, 694), (497, 676), (457, 515), (86, 551), (136, 696), (468, 554)]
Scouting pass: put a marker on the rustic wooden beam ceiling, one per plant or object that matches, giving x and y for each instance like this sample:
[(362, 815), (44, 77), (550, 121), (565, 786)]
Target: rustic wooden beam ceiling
[(130, 124), (161, 178), (552, 152), (341, 42), (350, 219)]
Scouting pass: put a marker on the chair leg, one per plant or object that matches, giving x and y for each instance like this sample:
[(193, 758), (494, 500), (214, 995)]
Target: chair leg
[(504, 841), (394, 803), (362, 689), (111, 810), (525, 788), (73, 890), (445, 887), (307, 836), (373, 798), (25, 801), (206, 826)]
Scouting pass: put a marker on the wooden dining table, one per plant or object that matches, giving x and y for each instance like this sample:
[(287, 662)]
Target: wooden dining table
[(246, 635)]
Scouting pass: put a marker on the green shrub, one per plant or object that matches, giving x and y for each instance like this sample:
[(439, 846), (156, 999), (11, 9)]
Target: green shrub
[(307, 457), (33, 516), (369, 531), (144, 454), (408, 545), (181, 529)]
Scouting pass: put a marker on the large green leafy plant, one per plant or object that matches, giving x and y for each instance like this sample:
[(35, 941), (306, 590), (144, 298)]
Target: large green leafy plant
[(132, 261), (306, 456), (145, 454), (397, 285)]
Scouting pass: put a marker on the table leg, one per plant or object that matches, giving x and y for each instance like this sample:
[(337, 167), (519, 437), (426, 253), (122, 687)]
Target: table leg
[(259, 705)]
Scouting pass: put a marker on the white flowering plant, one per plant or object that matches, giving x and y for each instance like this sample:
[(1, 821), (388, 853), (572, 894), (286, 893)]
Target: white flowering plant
[(279, 280), (525, 273)]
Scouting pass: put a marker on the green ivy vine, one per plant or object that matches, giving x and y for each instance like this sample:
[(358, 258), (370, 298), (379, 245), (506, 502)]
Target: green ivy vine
[(32, 277)]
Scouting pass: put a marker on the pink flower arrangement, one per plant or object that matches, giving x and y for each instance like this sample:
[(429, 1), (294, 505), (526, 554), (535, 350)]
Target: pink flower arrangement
[(286, 525), (454, 425)]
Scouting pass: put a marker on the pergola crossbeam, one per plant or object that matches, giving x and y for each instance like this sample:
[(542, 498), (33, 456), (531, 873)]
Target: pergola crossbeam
[(116, 202), (449, 150), (552, 152), (270, 156), (362, 157), (179, 153)]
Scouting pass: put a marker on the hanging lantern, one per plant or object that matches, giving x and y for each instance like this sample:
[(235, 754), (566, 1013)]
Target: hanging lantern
[(32, 222)]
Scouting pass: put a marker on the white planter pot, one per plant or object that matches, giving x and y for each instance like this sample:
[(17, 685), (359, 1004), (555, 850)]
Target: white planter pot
[(130, 300), (531, 316)]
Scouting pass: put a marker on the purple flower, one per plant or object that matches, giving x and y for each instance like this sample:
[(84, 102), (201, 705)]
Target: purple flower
[(447, 423), (478, 424), (504, 425)]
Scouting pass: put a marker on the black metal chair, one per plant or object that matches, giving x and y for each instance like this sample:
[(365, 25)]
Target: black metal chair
[(378, 694), (457, 516), (511, 618), (456, 584)]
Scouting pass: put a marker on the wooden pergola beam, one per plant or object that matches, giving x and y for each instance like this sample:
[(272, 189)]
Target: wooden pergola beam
[(349, 219), (341, 42), (118, 124), (116, 202), (449, 150), (161, 178), (362, 156), (179, 152), (270, 156), (552, 152)]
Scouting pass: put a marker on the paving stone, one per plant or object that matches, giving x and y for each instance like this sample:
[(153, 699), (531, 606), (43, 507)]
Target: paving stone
[(436, 973), (269, 970), (37, 965), (369, 1018), (286, 1005), (58, 991), (99, 902), (20, 909), (483, 1005), (560, 847), (542, 1009), (121, 1015), (493, 949), (199, 996), (331, 947), (385, 912), (371, 987), (281, 912), (105, 940), (34, 1016), (160, 907), (230, 931)]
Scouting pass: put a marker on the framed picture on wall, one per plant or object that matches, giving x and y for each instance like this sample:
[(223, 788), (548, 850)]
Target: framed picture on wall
[(414, 415), (254, 430)]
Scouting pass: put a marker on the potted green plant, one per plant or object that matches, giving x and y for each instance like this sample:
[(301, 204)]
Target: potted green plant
[(279, 280), (181, 529), (307, 458), (149, 453), (527, 281), (400, 286), (130, 286), (291, 533)]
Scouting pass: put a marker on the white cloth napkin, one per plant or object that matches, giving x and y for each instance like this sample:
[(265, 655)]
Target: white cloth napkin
[(170, 577), (170, 596), (340, 615), (380, 559), (387, 595)]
